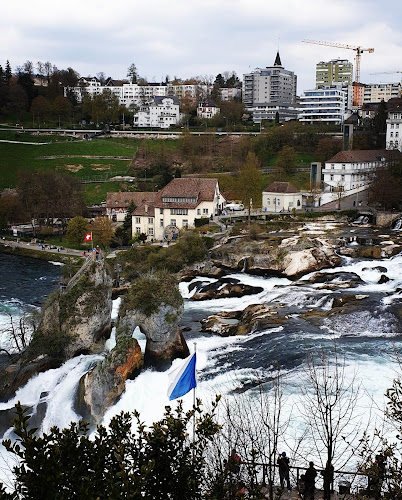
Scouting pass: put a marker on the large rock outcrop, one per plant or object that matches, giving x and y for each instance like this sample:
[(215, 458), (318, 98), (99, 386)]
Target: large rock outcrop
[(82, 314), (101, 387)]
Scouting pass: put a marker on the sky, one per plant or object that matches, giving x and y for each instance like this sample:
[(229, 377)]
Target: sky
[(186, 38)]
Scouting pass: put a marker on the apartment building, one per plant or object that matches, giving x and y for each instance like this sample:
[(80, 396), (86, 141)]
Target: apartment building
[(230, 93), (394, 124), (377, 92), (269, 90), (334, 71), (349, 170), (327, 104), (207, 109), (158, 112)]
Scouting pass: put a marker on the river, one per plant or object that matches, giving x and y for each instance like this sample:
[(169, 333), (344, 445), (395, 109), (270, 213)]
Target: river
[(366, 338)]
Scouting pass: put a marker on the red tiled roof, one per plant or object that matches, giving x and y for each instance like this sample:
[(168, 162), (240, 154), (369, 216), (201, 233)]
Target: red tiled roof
[(123, 199), (365, 155), (281, 187), (186, 187)]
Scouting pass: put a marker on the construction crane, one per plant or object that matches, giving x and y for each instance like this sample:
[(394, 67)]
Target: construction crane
[(359, 50), (386, 73)]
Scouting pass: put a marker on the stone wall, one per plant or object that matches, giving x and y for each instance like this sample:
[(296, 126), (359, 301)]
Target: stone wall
[(385, 219)]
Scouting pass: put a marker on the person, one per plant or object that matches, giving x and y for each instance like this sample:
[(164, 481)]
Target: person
[(309, 482), (234, 462), (283, 464)]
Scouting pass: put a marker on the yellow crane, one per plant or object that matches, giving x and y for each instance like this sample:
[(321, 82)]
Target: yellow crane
[(359, 50)]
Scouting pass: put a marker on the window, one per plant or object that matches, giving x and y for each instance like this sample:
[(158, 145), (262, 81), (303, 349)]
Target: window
[(198, 211), (161, 223), (278, 202), (150, 231), (161, 211), (298, 203), (205, 211), (178, 211), (150, 220), (331, 177), (332, 166), (172, 222), (138, 230), (185, 223), (138, 220), (268, 201)]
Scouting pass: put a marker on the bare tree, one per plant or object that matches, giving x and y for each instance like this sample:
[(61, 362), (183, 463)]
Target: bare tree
[(18, 332), (329, 407)]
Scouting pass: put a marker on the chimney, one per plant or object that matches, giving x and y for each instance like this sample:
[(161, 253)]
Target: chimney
[(146, 208)]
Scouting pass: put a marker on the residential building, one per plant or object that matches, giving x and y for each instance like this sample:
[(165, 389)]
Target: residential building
[(117, 203), (281, 197), (377, 92), (334, 71), (207, 109), (328, 104), (350, 170), (158, 112), (267, 88), (394, 124), (228, 94), (132, 93), (177, 206)]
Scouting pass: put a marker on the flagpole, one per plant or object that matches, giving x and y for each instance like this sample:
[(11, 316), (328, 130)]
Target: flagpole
[(194, 398)]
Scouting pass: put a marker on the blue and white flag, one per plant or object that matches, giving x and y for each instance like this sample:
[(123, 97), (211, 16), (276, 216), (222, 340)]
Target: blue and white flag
[(182, 379)]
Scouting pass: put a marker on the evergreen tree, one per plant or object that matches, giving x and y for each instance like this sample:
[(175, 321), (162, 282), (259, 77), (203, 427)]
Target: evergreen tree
[(8, 73)]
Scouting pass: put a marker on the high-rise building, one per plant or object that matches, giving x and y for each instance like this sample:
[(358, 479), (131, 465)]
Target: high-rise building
[(270, 90), (332, 72)]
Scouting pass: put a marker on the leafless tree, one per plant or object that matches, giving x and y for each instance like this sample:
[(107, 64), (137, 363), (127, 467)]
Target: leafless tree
[(18, 332), (329, 407)]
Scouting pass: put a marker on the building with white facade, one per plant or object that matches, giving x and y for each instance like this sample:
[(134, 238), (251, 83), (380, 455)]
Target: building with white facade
[(281, 197), (265, 88), (207, 109), (159, 112), (177, 206), (325, 105), (132, 93), (334, 71), (394, 124), (117, 203), (377, 92), (351, 170)]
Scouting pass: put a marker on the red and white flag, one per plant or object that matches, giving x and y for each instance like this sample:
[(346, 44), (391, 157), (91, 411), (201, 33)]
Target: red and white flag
[(88, 237)]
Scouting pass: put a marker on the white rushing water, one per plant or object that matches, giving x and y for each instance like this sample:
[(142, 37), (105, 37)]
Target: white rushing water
[(225, 365)]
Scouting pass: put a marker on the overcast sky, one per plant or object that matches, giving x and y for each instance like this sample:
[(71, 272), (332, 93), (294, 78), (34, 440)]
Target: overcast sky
[(186, 38)]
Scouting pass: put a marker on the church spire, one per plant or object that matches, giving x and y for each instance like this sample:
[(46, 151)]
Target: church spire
[(277, 60)]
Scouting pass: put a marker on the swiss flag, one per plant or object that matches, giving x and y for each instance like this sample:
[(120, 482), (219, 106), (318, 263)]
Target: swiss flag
[(88, 237)]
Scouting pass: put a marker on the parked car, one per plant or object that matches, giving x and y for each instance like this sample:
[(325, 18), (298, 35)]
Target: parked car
[(234, 206)]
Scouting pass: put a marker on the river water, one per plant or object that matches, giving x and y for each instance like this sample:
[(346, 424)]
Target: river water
[(366, 337)]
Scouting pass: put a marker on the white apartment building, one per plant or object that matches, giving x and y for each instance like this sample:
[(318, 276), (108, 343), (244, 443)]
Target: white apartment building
[(377, 92), (177, 206), (132, 93), (350, 170), (270, 86), (328, 104), (159, 112), (394, 125)]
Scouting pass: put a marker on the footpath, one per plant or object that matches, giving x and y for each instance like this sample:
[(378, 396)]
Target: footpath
[(52, 249)]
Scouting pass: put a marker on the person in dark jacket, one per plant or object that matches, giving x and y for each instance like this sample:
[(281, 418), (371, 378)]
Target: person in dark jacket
[(283, 464), (309, 480)]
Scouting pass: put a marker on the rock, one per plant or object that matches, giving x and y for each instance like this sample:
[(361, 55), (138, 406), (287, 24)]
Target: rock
[(255, 317), (103, 385), (380, 269), (351, 279), (383, 279), (165, 341), (218, 290)]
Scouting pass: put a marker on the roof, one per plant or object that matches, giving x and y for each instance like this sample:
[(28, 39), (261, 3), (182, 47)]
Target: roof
[(277, 60), (394, 104), (158, 99), (207, 103), (123, 199), (365, 155), (185, 187), (281, 187)]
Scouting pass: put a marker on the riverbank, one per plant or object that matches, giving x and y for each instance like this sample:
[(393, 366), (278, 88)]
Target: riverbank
[(34, 251)]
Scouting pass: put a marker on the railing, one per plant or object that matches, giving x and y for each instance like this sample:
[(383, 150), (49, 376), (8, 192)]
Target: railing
[(79, 273)]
